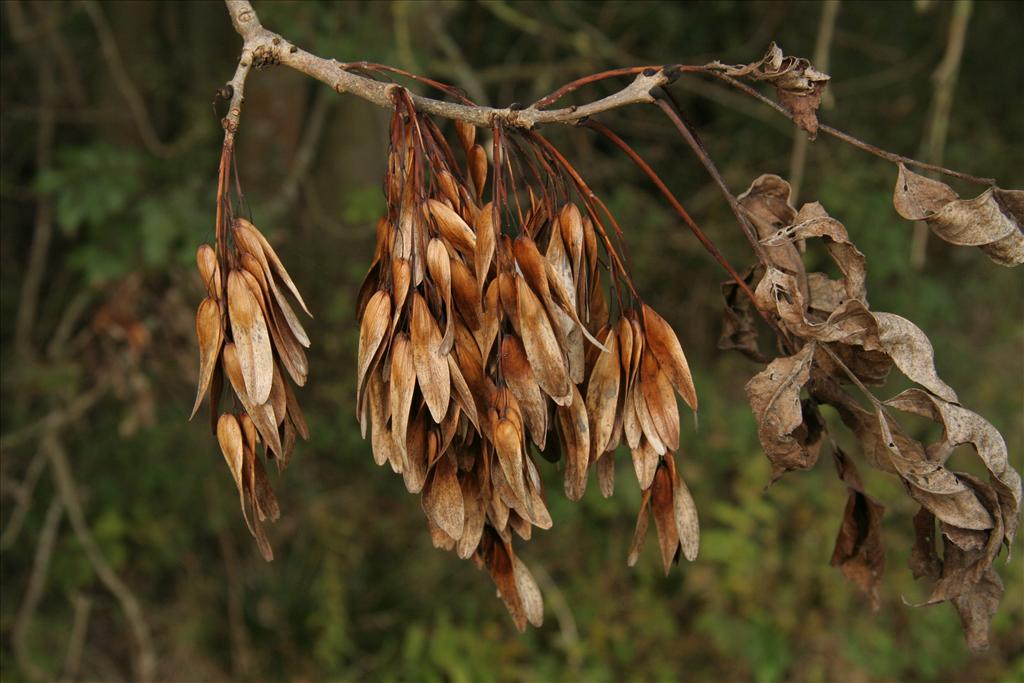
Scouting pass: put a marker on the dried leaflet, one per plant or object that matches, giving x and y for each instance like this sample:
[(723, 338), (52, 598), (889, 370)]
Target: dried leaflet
[(799, 85), (859, 552), (842, 342), (774, 396), (993, 221)]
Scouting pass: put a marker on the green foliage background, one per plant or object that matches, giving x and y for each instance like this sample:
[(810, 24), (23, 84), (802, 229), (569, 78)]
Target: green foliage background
[(357, 592)]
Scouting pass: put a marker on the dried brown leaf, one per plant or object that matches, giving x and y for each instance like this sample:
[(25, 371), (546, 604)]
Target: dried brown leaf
[(859, 552), (774, 395), (993, 221)]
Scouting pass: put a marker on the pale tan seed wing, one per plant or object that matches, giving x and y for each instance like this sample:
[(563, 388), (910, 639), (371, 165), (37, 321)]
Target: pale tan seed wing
[(278, 399), (210, 336), (687, 523), (249, 330), (431, 367), (442, 499), (529, 593), (640, 533), (476, 515), (276, 263), (508, 448), (439, 266), (645, 463), (664, 516), (209, 270), (401, 277), (463, 394), (546, 358), (574, 425), (519, 376), (403, 385), (603, 396), (664, 344), (485, 242), (229, 436), (643, 415), (571, 225), (415, 473), (661, 401), (478, 170), (453, 229), (465, 294), (384, 449), (262, 414), (372, 332)]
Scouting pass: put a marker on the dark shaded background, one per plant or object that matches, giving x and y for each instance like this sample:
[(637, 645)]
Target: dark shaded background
[(110, 148)]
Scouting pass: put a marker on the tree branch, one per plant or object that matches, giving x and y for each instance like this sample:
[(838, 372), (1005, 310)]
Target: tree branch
[(262, 48), (67, 492)]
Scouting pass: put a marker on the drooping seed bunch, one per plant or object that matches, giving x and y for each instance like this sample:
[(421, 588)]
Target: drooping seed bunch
[(486, 338), (249, 331)]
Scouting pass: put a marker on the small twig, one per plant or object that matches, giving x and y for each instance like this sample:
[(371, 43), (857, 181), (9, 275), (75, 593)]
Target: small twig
[(563, 614), (305, 156), (34, 590), (712, 170), (56, 419), (43, 227), (270, 48), (944, 79), (463, 71), (133, 98), (67, 490), (822, 48), (24, 494), (671, 198), (76, 641)]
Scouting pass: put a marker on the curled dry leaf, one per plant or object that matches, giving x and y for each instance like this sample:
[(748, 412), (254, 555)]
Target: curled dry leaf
[(774, 395), (799, 85), (859, 552), (992, 221)]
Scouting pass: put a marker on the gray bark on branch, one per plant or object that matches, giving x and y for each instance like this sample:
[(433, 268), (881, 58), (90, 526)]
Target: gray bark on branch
[(263, 48)]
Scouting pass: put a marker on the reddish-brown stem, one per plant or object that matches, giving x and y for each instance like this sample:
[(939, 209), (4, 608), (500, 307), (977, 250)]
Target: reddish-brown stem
[(437, 85), (589, 197), (671, 198), (553, 97), (712, 170)]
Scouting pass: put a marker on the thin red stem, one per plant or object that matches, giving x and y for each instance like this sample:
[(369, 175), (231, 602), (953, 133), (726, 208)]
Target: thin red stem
[(671, 198)]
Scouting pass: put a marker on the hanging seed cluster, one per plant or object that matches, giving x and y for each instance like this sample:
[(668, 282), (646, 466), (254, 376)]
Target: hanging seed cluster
[(488, 341), (249, 332)]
